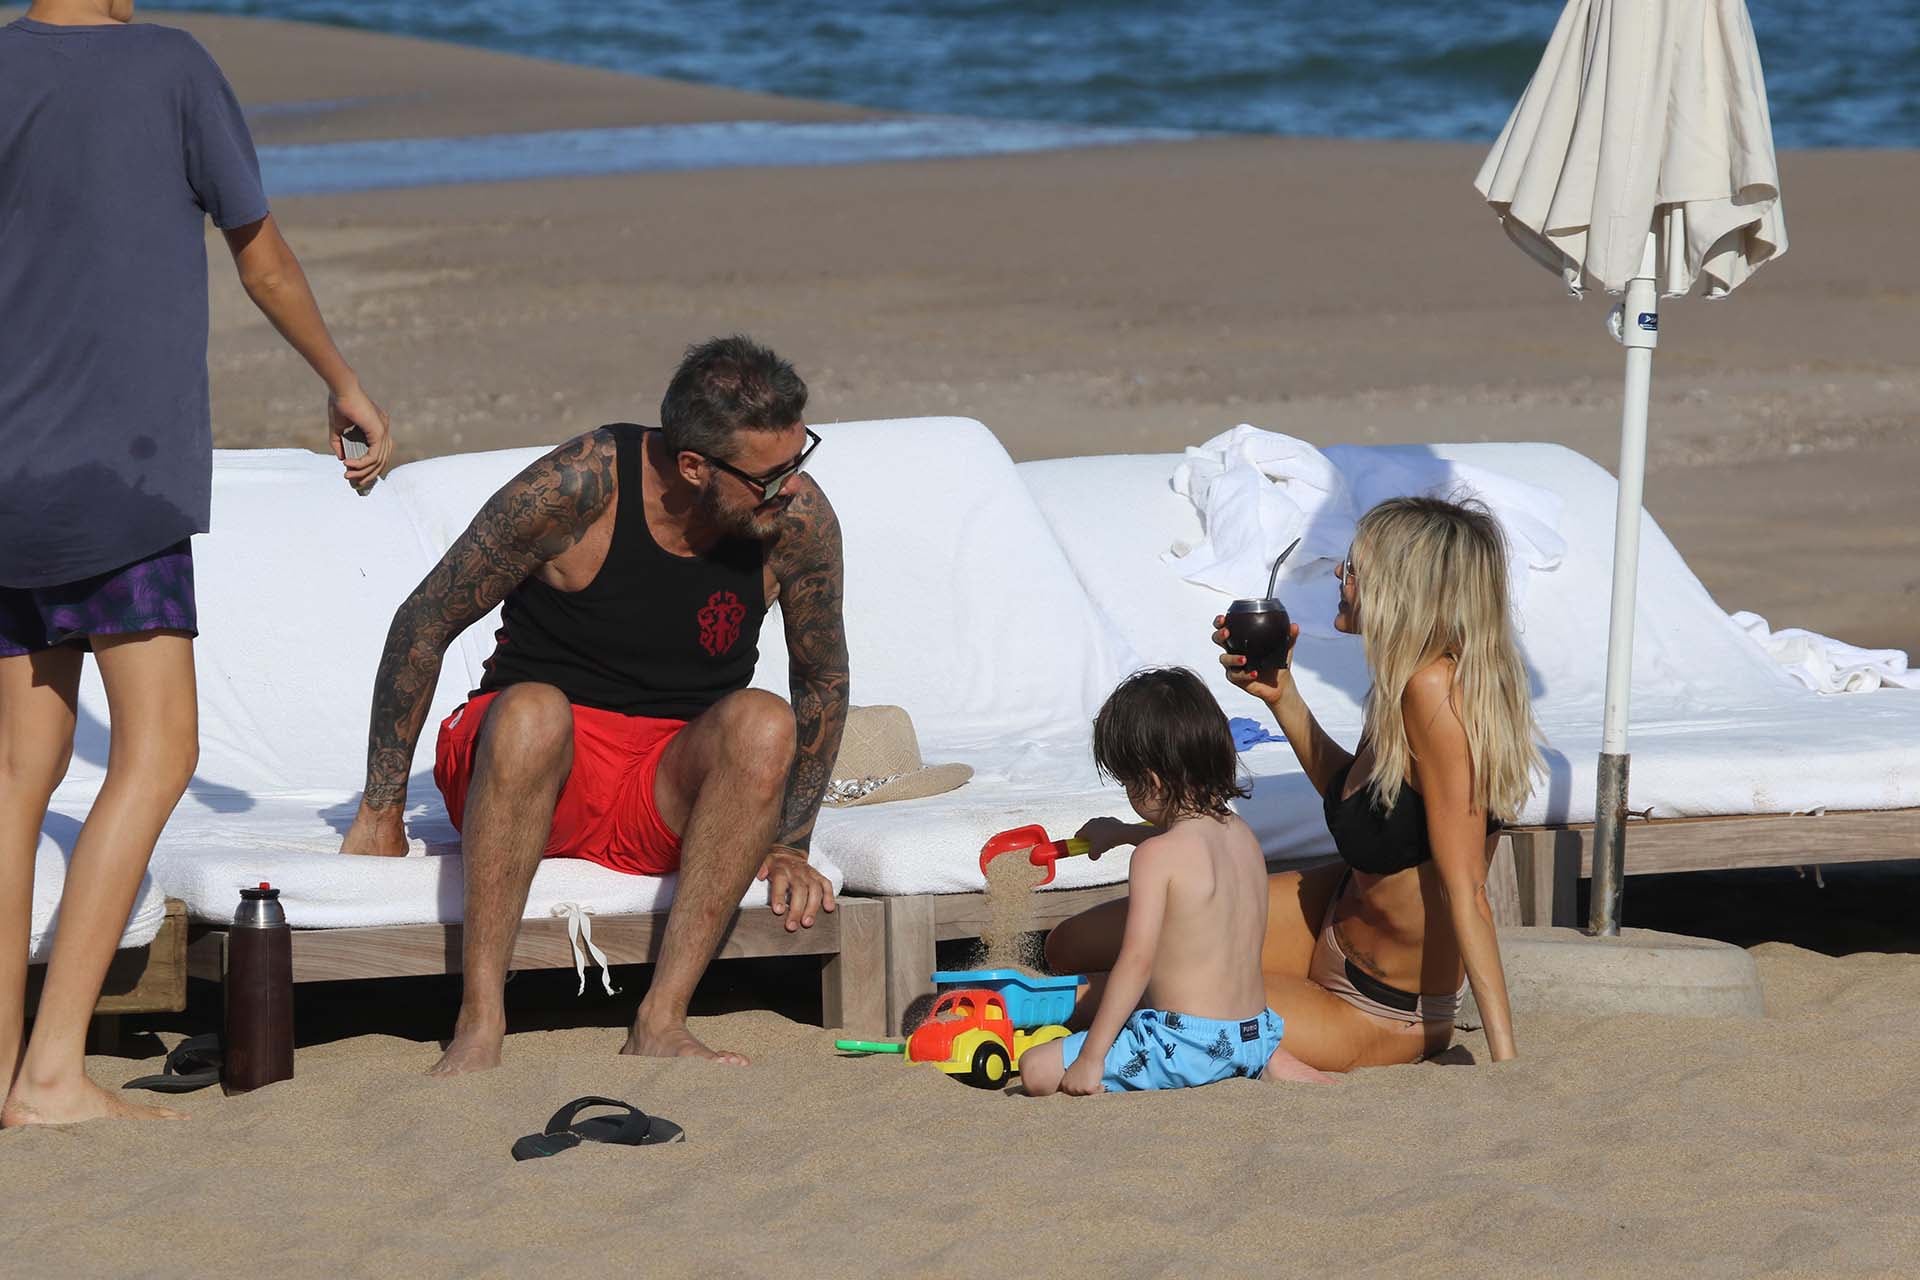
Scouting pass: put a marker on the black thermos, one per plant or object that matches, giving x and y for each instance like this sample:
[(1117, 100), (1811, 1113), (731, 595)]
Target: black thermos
[(258, 1045)]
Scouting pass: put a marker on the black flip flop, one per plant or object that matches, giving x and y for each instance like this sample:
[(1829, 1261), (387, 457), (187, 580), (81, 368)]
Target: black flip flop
[(563, 1133), (193, 1064)]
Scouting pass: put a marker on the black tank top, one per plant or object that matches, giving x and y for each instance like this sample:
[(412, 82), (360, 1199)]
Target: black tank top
[(1375, 840), (654, 634)]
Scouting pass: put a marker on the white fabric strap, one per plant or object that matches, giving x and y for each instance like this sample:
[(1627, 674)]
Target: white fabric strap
[(580, 935)]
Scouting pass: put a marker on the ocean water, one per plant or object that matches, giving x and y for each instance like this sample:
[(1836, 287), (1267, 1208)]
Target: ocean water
[(1839, 72)]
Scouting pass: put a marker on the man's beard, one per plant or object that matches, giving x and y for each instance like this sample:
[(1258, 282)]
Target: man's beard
[(737, 522)]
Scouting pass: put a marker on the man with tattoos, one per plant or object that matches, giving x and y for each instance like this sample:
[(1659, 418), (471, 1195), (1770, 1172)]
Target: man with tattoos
[(614, 721)]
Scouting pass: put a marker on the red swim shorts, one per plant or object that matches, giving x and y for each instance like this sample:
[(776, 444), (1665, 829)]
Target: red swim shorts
[(606, 812)]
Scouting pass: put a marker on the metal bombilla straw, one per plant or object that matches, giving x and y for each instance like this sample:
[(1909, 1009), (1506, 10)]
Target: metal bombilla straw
[(1273, 579)]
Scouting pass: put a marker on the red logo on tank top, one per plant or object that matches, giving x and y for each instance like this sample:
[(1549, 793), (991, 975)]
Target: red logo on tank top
[(720, 622)]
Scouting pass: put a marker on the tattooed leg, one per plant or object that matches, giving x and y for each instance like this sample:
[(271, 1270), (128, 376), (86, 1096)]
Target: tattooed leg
[(523, 757), (720, 784)]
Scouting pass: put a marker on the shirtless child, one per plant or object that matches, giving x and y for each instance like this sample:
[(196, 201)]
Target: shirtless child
[(1185, 1003)]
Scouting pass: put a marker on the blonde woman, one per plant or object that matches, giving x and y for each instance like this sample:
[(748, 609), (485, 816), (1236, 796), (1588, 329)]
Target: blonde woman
[(1364, 960)]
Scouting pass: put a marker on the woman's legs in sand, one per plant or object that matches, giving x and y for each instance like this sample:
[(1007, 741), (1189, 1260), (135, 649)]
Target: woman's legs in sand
[(38, 693), (1327, 1034), (152, 754), (1297, 903)]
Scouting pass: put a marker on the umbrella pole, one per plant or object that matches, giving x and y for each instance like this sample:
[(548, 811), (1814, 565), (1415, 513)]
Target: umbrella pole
[(1639, 332)]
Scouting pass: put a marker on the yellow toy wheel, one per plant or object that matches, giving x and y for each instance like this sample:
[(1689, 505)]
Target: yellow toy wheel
[(991, 1066)]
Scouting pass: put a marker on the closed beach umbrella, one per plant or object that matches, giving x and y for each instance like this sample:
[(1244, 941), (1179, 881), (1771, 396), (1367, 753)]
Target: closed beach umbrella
[(1639, 161)]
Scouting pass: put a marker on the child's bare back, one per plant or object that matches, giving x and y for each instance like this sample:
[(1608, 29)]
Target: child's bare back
[(1215, 921), (1183, 1001)]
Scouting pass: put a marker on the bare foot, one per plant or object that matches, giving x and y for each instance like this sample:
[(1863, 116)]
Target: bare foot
[(73, 1102), (376, 836), (674, 1041), (473, 1048), (1284, 1066)]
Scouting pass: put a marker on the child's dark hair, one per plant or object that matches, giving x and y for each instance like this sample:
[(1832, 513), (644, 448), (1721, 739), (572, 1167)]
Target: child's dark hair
[(1161, 727)]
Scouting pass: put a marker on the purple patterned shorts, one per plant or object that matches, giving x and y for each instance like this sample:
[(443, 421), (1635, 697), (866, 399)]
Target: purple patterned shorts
[(154, 594)]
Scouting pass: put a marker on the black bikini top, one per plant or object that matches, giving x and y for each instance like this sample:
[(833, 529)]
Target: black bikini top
[(1375, 840)]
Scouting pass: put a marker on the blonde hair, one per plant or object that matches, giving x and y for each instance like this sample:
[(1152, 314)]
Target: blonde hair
[(1431, 580)]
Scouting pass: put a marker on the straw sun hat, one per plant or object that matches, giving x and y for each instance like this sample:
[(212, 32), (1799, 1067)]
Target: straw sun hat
[(880, 761)]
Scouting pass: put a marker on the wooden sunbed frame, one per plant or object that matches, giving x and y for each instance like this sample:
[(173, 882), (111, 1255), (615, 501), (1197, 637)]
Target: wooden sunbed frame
[(915, 923), (1547, 862), (877, 954), (1534, 879), (849, 943)]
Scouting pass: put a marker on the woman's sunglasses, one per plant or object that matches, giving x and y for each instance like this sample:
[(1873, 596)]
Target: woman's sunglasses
[(770, 484)]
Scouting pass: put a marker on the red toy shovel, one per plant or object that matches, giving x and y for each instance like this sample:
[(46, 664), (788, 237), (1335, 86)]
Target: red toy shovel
[(1041, 850)]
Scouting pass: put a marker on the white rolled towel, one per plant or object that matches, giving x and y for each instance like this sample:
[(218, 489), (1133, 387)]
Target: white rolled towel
[(1826, 665), (1256, 491)]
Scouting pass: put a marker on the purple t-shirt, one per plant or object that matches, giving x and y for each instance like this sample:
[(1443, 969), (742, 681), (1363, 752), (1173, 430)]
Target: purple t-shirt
[(116, 143)]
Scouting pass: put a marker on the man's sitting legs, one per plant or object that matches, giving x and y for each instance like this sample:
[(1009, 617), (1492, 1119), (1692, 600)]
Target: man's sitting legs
[(720, 784), (720, 781), (523, 756)]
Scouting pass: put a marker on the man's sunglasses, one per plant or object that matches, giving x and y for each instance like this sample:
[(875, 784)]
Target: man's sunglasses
[(769, 485)]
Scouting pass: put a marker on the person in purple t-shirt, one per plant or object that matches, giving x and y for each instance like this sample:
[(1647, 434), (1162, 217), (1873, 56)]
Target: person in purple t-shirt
[(117, 142)]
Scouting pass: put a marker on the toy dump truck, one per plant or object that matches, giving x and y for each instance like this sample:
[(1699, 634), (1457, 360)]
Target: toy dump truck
[(1033, 1000), (969, 1035)]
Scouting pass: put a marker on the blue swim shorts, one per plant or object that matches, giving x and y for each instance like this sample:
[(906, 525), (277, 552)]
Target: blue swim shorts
[(1158, 1050)]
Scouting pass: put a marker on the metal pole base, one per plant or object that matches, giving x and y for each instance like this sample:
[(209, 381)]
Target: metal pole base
[(1609, 845)]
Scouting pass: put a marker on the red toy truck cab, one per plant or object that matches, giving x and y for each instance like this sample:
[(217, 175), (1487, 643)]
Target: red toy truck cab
[(952, 1015)]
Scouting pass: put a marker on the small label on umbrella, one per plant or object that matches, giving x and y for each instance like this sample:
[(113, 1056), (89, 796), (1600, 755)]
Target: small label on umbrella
[(1649, 320)]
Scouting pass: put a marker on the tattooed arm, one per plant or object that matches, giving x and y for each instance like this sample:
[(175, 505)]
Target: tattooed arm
[(807, 564), (537, 515)]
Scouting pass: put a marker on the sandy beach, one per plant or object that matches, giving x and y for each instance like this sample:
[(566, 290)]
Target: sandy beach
[(1626, 1146), (1109, 300)]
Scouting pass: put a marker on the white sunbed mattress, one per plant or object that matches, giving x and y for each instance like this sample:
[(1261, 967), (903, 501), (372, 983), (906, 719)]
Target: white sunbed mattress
[(1000, 655), (50, 880), (214, 848), (299, 580), (932, 845), (1716, 727)]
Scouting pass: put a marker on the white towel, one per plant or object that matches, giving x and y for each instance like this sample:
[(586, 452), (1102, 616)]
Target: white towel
[(50, 882), (1826, 665), (1257, 490)]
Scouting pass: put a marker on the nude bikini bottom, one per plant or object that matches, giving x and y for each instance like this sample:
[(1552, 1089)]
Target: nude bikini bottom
[(1334, 970)]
